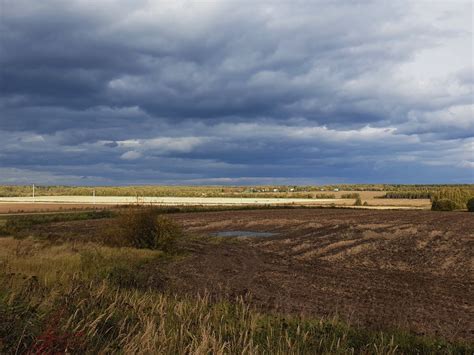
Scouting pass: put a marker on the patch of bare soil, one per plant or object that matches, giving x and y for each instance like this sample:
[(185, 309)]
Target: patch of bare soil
[(9, 208), (71, 231), (378, 269)]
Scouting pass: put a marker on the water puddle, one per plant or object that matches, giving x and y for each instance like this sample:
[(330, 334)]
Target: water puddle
[(243, 234)]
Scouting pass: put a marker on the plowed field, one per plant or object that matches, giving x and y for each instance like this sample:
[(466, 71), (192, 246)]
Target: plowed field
[(379, 269)]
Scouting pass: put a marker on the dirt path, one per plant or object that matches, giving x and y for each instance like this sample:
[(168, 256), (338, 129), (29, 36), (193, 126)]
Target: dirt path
[(380, 270)]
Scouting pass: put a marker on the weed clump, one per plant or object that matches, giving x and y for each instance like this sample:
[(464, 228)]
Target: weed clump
[(443, 204), (142, 228)]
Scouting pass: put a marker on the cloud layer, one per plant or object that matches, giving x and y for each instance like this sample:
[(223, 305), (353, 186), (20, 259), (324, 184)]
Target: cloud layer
[(121, 92)]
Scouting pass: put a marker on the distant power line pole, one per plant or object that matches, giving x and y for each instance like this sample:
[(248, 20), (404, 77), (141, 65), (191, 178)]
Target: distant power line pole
[(33, 190)]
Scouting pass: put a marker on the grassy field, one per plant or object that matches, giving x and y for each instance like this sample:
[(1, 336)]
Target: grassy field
[(85, 296)]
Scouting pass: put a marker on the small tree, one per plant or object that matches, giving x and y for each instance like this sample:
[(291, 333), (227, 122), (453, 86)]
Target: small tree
[(470, 205), (443, 204)]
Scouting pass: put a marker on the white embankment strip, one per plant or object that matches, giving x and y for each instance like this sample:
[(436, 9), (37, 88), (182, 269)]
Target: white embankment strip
[(193, 201), (117, 200)]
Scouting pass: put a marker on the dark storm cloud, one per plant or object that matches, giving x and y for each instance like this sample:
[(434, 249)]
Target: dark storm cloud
[(206, 92), (245, 62)]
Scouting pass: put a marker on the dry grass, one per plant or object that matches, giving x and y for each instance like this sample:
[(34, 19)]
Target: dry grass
[(70, 298), (52, 264)]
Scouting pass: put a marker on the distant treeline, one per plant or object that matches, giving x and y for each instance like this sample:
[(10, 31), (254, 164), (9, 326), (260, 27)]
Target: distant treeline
[(459, 195), (351, 195), (408, 194), (162, 191), (382, 187)]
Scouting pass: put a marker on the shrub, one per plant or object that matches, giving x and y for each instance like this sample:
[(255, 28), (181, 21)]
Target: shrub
[(167, 232), (470, 205), (143, 228), (358, 202), (443, 204)]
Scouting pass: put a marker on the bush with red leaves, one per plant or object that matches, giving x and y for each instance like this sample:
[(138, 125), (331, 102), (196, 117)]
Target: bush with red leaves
[(53, 341)]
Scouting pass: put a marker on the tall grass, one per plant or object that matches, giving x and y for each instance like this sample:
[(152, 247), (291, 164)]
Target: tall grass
[(52, 264), (98, 318), (77, 299)]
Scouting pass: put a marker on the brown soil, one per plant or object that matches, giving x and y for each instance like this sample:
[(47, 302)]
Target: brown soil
[(10, 208), (92, 230), (378, 269)]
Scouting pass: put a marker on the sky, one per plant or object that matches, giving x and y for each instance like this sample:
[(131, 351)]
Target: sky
[(117, 92)]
